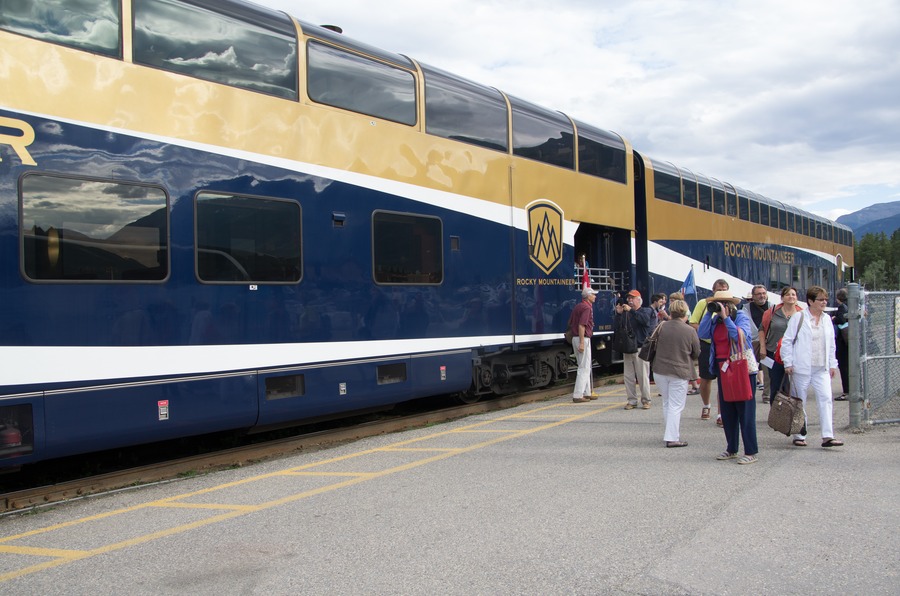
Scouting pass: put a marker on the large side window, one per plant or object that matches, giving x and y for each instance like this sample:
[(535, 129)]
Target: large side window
[(705, 197), (244, 239), (542, 134), (407, 249), (463, 111), (256, 50), (666, 183), (75, 229), (91, 25), (601, 153), (352, 82)]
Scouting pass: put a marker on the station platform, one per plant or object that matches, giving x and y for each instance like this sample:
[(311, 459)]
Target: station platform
[(553, 497)]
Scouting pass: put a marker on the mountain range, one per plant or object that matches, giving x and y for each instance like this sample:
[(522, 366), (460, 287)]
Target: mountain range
[(883, 217)]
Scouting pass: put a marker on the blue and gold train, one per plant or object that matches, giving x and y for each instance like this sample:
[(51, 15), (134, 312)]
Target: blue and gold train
[(214, 216)]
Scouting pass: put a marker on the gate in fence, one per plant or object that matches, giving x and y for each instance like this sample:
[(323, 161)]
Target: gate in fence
[(874, 356)]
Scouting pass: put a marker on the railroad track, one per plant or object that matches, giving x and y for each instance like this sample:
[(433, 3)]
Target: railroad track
[(30, 498)]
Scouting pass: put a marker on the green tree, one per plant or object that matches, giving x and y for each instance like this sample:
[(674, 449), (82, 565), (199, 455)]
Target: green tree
[(872, 247), (874, 276)]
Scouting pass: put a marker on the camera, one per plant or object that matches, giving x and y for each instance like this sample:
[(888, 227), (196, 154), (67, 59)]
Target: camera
[(713, 307)]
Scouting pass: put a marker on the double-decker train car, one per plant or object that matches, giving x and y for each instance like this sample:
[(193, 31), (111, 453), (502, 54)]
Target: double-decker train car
[(214, 216), (688, 221)]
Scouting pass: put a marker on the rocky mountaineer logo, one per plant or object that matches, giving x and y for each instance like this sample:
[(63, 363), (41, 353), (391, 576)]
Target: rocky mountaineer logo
[(545, 244)]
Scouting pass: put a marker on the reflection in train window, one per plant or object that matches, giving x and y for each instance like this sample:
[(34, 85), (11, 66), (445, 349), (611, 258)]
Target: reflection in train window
[(244, 239), (256, 50), (92, 230), (91, 25), (407, 249), (345, 80)]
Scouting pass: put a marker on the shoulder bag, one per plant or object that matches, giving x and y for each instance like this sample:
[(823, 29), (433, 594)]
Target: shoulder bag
[(648, 350), (623, 340)]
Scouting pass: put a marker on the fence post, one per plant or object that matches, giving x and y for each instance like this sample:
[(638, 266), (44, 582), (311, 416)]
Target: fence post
[(854, 314)]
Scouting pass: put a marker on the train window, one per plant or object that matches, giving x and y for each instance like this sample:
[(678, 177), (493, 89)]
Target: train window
[(463, 111), (666, 183), (744, 208), (718, 201), (542, 134), (805, 226), (773, 216), (763, 214), (810, 277), (352, 82), (825, 278), (76, 229), (689, 189), (731, 208), (782, 219), (407, 249), (251, 48), (773, 277), (795, 276), (243, 239), (704, 196), (754, 211), (91, 25), (601, 153), (790, 221)]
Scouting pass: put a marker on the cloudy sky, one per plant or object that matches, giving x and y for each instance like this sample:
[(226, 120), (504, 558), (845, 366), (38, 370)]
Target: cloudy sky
[(798, 100)]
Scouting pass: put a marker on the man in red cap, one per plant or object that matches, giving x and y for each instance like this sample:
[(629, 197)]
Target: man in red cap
[(642, 321)]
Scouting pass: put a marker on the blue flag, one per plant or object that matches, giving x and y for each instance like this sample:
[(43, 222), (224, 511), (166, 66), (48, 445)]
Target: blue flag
[(689, 287)]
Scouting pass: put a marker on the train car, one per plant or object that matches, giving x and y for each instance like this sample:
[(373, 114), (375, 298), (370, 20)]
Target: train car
[(214, 216), (689, 222)]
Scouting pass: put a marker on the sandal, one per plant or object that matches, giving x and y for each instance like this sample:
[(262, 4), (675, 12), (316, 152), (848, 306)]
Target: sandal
[(726, 455), (831, 443), (747, 459), (704, 413), (719, 422), (676, 443), (841, 397), (799, 443), (693, 391)]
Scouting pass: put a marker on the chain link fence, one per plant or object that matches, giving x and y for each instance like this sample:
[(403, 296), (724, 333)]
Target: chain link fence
[(877, 323)]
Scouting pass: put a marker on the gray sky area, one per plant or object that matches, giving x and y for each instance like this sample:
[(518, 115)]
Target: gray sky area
[(797, 100)]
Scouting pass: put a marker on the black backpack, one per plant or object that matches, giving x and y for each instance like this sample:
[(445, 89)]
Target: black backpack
[(623, 340)]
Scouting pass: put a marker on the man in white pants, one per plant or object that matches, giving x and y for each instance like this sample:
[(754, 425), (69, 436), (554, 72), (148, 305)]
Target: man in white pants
[(581, 324)]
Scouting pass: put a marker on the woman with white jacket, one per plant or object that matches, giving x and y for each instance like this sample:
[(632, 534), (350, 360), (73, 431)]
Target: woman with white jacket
[(807, 351)]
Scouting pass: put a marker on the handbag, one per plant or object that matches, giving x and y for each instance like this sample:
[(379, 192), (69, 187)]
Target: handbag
[(786, 412), (569, 335), (745, 354), (648, 350), (734, 373)]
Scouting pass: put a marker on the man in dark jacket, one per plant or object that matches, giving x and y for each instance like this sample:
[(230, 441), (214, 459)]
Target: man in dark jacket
[(642, 321)]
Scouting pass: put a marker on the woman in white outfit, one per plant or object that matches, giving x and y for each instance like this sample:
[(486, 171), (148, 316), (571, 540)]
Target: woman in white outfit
[(808, 353), (673, 367)]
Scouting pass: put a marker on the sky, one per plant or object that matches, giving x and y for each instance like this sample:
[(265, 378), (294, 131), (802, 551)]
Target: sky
[(797, 100)]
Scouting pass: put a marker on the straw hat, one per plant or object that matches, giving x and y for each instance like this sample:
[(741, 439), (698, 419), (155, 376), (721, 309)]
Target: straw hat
[(724, 296)]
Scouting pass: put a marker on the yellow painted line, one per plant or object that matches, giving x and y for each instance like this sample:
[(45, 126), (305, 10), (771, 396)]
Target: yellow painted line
[(350, 474), (41, 552), (64, 556), (485, 430), (214, 506), (419, 449)]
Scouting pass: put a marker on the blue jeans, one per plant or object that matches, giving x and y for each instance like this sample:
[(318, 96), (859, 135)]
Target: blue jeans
[(776, 377), (739, 421)]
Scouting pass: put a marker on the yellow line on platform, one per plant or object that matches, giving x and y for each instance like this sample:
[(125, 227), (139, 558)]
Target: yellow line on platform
[(66, 556)]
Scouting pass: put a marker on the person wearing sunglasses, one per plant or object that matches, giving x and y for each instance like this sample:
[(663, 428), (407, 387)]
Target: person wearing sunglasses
[(808, 353)]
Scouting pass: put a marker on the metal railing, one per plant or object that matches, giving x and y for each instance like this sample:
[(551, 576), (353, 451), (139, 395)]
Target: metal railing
[(601, 279)]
